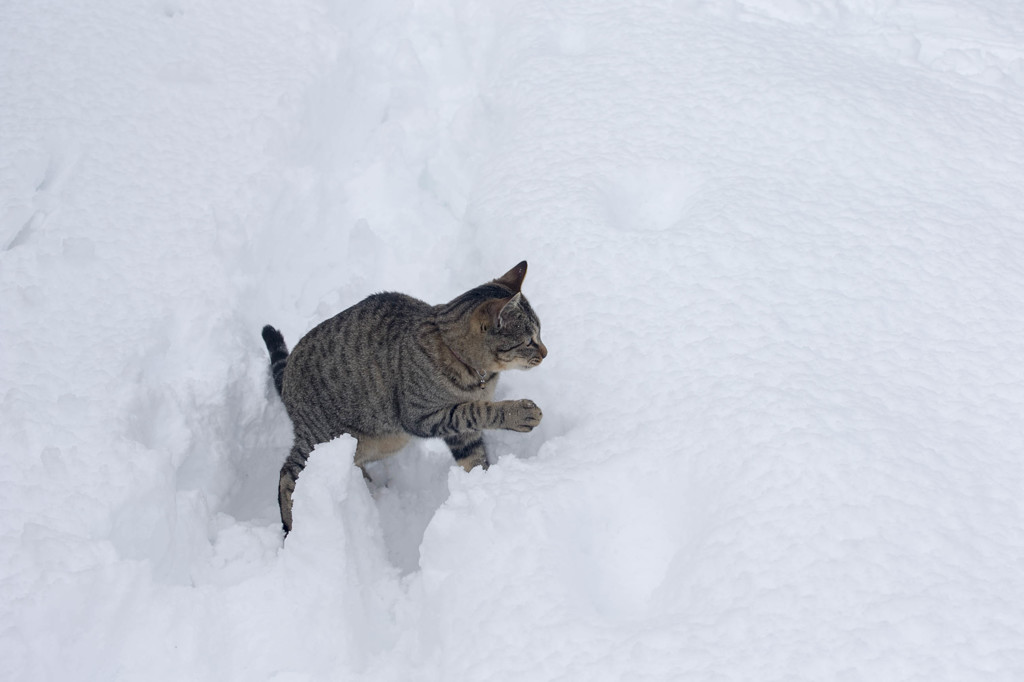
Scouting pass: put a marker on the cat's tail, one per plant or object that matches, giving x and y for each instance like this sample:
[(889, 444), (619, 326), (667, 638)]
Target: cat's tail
[(278, 354)]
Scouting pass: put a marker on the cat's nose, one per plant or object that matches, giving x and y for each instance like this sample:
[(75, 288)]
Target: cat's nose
[(542, 349)]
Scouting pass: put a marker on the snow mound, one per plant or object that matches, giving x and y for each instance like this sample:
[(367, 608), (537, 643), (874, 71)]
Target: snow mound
[(775, 247)]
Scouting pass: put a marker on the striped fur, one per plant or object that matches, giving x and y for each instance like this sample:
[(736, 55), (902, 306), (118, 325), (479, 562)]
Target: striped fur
[(392, 367), (278, 354)]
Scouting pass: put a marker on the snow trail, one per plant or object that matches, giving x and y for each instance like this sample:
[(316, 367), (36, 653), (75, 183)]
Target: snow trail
[(776, 251)]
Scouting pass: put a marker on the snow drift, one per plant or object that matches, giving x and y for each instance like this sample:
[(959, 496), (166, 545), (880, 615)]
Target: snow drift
[(776, 249)]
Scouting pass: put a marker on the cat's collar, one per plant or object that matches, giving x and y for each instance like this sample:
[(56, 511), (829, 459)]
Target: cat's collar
[(481, 375)]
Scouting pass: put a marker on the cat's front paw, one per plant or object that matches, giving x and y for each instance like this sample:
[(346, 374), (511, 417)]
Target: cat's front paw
[(522, 415)]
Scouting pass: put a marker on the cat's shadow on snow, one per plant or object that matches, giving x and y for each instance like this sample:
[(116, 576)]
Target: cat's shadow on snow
[(411, 486), (408, 488)]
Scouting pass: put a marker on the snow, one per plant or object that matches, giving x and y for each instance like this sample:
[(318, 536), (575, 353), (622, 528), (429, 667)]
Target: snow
[(776, 248)]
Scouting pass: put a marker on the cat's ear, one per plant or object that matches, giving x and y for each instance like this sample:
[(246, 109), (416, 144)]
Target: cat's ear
[(513, 279), (508, 310)]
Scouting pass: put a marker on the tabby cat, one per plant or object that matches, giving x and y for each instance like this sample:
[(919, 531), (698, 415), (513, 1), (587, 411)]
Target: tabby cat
[(392, 367)]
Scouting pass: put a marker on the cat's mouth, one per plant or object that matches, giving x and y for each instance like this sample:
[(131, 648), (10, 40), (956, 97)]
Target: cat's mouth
[(519, 363)]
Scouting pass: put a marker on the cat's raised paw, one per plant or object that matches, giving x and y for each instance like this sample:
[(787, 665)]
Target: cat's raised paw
[(522, 415)]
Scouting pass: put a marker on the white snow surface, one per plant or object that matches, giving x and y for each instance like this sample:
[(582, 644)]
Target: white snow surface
[(778, 253)]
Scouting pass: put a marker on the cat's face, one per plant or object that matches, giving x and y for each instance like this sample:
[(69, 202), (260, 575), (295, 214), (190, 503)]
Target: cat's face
[(513, 334)]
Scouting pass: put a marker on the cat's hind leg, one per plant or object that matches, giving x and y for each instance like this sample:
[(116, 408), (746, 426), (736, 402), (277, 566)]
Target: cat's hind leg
[(372, 448), (468, 449)]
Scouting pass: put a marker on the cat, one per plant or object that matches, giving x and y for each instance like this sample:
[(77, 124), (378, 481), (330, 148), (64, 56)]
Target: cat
[(392, 367)]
